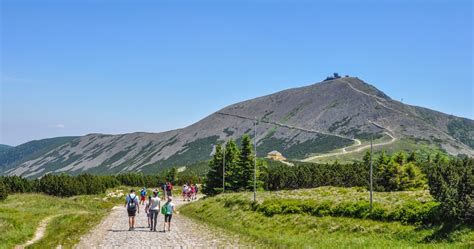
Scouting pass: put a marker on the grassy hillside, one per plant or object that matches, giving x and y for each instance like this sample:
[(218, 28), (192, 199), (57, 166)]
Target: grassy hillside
[(20, 215), (292, 227), (27, 151)]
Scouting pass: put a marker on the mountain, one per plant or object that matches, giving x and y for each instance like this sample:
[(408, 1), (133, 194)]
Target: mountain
[(14, 156), (300, 122), (4, 147)]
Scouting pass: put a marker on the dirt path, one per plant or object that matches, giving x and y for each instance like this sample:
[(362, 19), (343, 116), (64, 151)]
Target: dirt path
[(113, 233), (344, 150), (39, 233), (41, 229)]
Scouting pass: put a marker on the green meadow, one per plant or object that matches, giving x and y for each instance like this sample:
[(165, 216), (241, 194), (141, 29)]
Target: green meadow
[(332, 222)]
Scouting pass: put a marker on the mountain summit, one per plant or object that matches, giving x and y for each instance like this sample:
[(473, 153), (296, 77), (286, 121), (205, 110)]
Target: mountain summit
[(300, 122)]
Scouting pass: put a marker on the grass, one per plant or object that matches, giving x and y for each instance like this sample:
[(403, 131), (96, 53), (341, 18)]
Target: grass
[(307, 231), (20, 215)]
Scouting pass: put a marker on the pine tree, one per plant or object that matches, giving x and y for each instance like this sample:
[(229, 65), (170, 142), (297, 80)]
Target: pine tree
[(246, 165), (413, 157), (213, 183), (232, 169), (171, 176), (400, 157)]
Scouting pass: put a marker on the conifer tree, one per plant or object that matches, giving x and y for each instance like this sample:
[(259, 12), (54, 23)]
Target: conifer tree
[(232, 169), (246, 165), (213, 184)]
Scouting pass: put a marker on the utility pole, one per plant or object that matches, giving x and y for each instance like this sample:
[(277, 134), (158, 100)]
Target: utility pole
[(371, 172), (255, 160), (223, 169)]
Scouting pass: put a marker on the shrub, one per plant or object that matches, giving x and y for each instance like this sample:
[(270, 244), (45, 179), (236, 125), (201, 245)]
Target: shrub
[(409, 213), (3, 191), (452, 185)]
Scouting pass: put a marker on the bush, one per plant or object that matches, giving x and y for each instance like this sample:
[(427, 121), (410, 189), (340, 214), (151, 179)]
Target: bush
[(452, 185), (3, 191), (391, 173), (409, 213), (17, 184)]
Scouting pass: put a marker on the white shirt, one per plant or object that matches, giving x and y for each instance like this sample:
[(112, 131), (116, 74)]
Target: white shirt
[(155, 203)]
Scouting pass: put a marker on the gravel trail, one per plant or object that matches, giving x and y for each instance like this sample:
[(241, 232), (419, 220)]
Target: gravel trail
[(185, 233)]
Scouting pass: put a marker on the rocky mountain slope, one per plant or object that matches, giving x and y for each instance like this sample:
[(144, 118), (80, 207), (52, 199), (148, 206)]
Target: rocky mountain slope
[(297, 122)]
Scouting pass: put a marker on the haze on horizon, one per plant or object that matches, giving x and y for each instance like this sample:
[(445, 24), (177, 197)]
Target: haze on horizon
[(117, 67)]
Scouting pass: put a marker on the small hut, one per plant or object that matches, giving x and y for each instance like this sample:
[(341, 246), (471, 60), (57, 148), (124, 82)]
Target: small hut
[(275, 155)]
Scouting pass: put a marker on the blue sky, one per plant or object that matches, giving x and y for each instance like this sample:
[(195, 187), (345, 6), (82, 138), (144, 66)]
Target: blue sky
[(78, 67)]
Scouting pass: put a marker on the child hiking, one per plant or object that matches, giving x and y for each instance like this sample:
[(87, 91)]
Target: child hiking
[(167, 210), (142, 196), (131, 202)]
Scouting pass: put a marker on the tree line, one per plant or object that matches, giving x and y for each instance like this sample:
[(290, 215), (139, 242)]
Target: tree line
[(64, 185)]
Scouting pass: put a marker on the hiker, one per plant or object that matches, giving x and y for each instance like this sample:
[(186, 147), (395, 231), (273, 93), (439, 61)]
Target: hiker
[(193, 192), (163, 189), (142, 196), (147, 211), (196, 190), (154, 209), (169, 188), (189, 193), (185, 191), (131, 202), (168, 209)]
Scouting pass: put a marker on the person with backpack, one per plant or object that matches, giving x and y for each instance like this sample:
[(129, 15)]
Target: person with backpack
[(169, 189), (163, 189), (167, 210), (143, 196), (131, 202), (154, 209)]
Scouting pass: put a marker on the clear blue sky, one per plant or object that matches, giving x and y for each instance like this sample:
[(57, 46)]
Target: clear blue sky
[(78, 67)]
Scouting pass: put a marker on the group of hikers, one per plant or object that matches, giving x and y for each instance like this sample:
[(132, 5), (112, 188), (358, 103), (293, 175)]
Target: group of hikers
[(154, 206), (189, 192)]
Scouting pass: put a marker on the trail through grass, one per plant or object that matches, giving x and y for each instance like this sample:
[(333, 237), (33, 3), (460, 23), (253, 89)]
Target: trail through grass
[(21, 214)]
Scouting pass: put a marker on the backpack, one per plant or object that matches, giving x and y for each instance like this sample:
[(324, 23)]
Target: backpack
[(163, 209), (131, 205), (167, 208)]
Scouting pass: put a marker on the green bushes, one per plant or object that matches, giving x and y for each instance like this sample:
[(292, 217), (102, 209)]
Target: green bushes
[(309, 175), (3, 191), (408, 213), (65, 185), (17, 184), (391, 173), (452, 185)]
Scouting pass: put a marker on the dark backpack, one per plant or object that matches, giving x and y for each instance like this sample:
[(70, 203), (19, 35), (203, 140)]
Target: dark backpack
[(132, 205)]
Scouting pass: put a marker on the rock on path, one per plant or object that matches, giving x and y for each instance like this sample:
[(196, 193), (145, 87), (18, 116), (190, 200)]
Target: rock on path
[(185, 233)]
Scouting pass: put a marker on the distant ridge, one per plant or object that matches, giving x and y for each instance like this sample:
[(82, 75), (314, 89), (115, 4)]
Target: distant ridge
[(338, 113)]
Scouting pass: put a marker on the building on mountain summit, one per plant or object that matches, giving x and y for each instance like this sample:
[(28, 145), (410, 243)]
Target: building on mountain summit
[(334, 76), (275, 155)]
